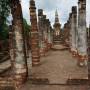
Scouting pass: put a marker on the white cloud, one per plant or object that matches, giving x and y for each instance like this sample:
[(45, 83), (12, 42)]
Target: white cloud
[(88, 12), (25, 9), (49, 7)]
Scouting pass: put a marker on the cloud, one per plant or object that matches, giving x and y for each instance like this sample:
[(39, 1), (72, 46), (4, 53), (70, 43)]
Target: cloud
[(25, 9), (49, 7), (88, 12)]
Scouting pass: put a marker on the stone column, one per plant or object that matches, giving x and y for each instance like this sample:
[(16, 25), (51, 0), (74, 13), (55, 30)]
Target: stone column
[(74, 30), (11, 46), (70, 33), (66, 33), (88, 32), (34, 35), (89, 53), (49, 36), (40, 26), (44, 34), (82, 34), (20, 63)]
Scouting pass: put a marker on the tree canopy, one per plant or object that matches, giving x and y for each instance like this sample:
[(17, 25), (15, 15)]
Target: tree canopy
[(4, 13)]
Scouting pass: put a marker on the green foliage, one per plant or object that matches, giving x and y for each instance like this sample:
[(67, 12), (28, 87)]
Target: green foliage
[(4, 10), (4, 33), (26, 26), (4, 13)]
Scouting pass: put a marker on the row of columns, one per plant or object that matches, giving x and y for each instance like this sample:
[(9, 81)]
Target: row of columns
[(45, 33), (78, 32), (40, 40)]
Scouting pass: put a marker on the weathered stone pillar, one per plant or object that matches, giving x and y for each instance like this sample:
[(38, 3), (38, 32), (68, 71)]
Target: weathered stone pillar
[(11, 46), (82, 34), (44, 34), (34, 35), (40, 26), (20, 63), (88, 32), (74, 30), (89, 53), (48, 33), (66, 33), (49, 36), (70, 33)]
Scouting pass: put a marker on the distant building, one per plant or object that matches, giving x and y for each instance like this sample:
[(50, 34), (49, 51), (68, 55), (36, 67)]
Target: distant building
[(57, 33), (57, 25)]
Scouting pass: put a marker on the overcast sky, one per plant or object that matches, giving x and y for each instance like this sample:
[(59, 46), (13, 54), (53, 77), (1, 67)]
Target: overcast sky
[(49, 7)]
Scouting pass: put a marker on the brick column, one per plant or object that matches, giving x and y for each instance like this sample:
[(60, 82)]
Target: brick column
[(40, 26), (82, 34), (66, 34), (11, 46), (20, 63), (34, 35), (70, 33), (74, 31), (89, 53), (49, 36), (44, 34)]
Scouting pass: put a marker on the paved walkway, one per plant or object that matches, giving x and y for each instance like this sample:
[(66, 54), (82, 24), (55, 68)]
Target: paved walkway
[(57, 67)]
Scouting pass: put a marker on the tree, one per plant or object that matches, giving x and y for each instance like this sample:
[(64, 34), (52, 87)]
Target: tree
[(4, 13), (26, 25)]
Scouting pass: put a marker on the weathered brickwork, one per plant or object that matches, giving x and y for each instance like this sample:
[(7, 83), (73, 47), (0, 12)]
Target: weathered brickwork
[(34, 34), (74, 31), (20, 64), (82, 34), (89, 52)]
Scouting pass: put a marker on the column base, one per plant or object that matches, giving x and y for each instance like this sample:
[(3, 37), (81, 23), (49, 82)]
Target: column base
[(82, 60), (20, 79), (49, 46), (35, 61), (74, 53), (46, 49), (42, 52)]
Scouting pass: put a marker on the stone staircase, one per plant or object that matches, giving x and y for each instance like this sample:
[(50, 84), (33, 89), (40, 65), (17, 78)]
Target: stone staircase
[(57, 40)]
